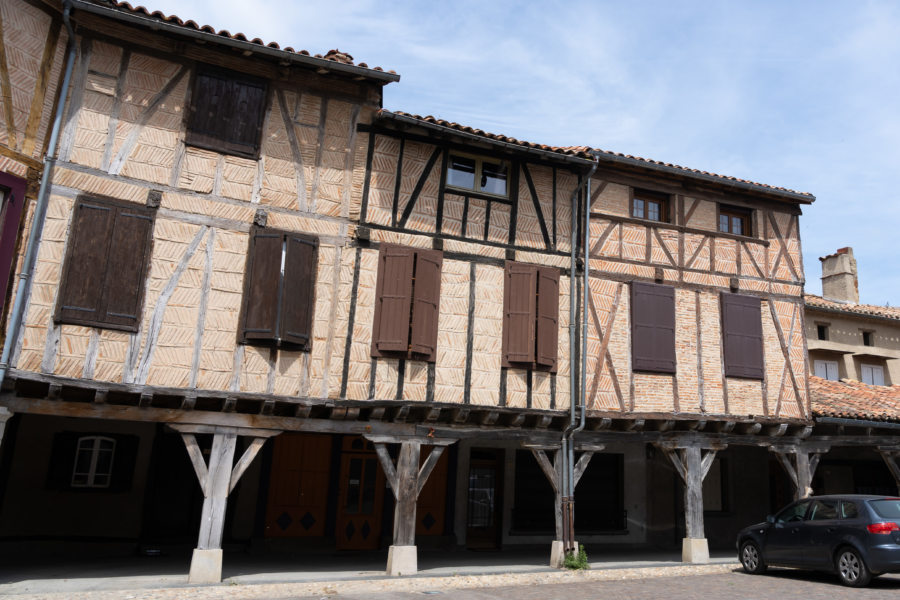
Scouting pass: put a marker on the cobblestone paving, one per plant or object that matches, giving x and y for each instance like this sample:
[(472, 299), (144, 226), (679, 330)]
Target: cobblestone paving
[(721, 582)]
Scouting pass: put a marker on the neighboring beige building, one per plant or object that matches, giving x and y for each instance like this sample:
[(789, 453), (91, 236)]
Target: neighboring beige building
[(849, 340)]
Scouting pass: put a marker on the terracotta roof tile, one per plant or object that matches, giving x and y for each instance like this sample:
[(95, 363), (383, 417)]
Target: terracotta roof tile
[(850, 399), (869, 310), (332, 55), (586, 152)]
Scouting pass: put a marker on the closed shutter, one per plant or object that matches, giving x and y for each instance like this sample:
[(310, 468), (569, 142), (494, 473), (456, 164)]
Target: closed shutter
[(262, 286), (425, 303), (547, 340), (81, 293), (519, 312), (394, 293), (227, 113), (652, 327), (129, 253), (742, 336), (298, 293)]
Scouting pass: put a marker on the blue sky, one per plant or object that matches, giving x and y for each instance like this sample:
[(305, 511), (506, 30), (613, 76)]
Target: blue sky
[(797, 94)]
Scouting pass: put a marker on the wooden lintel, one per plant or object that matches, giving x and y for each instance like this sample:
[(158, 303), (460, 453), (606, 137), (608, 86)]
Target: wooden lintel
[(588, 447), (540, 446), (399, 439), (213, 429), (679, 442)]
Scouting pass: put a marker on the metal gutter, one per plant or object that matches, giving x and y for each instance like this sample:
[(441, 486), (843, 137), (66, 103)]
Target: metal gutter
[(40, 209), (857, 422), (310, 61)]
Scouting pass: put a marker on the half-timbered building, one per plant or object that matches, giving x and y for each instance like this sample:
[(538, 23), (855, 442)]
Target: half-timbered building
[(250, 307)]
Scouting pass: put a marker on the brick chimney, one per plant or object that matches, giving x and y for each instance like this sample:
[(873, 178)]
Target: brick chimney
[(839, 281)]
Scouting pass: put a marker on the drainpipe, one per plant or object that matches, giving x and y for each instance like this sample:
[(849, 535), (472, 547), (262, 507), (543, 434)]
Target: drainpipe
[(40, 209), (567, 446)]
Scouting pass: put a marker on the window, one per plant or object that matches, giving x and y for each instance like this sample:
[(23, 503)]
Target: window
[(827, 369), (226, 113), (652, 327), (653, 206), (106, 263), (530, 316), (742, 336), (822, 332), (93, 462), (734, 220), (407, 303), (794, 512), (279, 289), (868, 338), (872, 374), (849, 510), (478, 174), (823, 510)]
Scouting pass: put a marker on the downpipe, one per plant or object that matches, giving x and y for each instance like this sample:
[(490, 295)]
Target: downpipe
[(23, 288)]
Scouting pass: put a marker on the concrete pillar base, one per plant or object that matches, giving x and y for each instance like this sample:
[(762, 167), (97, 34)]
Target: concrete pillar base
[(695, 550), (402, 560), (206, 566), (558, 554)]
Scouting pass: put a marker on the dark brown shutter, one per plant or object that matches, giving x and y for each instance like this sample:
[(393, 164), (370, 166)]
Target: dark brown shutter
[(547, 316), (519, 312), (742, 336), (129, 253), (394, 295), (425, 303), (227, 113), (652, 327), (262, 286), (81, 293), (298, 290)]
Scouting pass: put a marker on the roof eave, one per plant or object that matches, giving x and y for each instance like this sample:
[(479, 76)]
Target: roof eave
[(310, 61)]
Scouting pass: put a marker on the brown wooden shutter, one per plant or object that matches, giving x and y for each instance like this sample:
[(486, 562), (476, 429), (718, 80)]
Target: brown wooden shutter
[(298, 290), (652, 327), (742, 336), (547, 340), (81, 293), (426, 303), (261, 291), (227, 113), (129, 254), (519, 302), (394, 295)]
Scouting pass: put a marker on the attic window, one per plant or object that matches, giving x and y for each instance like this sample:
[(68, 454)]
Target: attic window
[(868, 338), (477, 174), (226, 113), (822, 332)]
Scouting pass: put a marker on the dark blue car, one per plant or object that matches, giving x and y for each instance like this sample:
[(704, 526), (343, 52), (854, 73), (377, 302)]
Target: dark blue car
[(856, 536)]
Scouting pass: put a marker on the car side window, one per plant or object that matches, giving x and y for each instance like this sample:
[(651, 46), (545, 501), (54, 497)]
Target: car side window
[(823, 510), (794, 512), (849, 510)]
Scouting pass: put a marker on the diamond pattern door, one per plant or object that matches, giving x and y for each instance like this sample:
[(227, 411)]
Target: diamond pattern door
[(361, 498)]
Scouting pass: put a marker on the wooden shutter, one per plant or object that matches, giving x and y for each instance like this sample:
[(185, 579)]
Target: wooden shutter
[(81, 291), (394, 295), (12, 193), (298, 290), (546, 344), (426, 303), (227, 113), (519, 302), (262, 286), (129, 255), (742, 336), (652, 327)]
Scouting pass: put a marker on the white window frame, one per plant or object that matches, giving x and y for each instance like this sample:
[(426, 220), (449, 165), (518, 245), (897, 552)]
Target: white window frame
[(93, 444), (875, 374), (479, 162), (826, 368)]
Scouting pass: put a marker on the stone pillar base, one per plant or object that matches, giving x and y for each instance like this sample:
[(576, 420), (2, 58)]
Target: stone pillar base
[(558, 554), (402, 560), (206, 566), (695, 550)]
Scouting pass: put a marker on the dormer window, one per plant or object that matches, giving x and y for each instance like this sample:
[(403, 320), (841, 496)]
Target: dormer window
[(478, 174)]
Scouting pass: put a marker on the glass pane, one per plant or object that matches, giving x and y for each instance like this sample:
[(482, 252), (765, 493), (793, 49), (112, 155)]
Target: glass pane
[(493, 178), (481, 496), (79, 480), (737, 225), (653, 210), (887, 509), (104, 462), (849, 510), (637, 208), (461, 172), (823, 510), (353, 485), (101, 481), (83, 460), (368, 496), (794, 512), (723, 223)]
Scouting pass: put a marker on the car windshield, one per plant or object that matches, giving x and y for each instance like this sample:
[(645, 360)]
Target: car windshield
[(794, 512), (888, 509)]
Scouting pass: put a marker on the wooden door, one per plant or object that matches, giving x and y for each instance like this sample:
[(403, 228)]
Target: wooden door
[(361, 497), (431, 506), (298, 488), (485, 499)]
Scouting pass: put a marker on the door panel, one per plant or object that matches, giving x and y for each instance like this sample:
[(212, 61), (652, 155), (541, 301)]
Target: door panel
[(298, 489), (432, 503), (485, 499), (361, 497)]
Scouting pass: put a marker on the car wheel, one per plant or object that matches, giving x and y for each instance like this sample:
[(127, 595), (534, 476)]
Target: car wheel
[(851, 568), (751, 558)]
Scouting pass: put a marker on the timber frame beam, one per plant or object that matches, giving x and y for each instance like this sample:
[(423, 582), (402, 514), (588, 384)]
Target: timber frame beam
[(891, 456), (800, 462)]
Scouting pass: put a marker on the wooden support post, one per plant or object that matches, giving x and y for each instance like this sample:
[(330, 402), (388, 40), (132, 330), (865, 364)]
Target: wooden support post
[(406, 481), (799, 462), (692, 463), (5, 415), (217, 480), (891, 458)]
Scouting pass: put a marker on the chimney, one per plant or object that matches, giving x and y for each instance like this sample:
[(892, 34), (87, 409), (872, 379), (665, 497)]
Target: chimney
[(839, 280)]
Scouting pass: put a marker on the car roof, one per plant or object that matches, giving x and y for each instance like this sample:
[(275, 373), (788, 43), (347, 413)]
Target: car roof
[(851, 497)]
